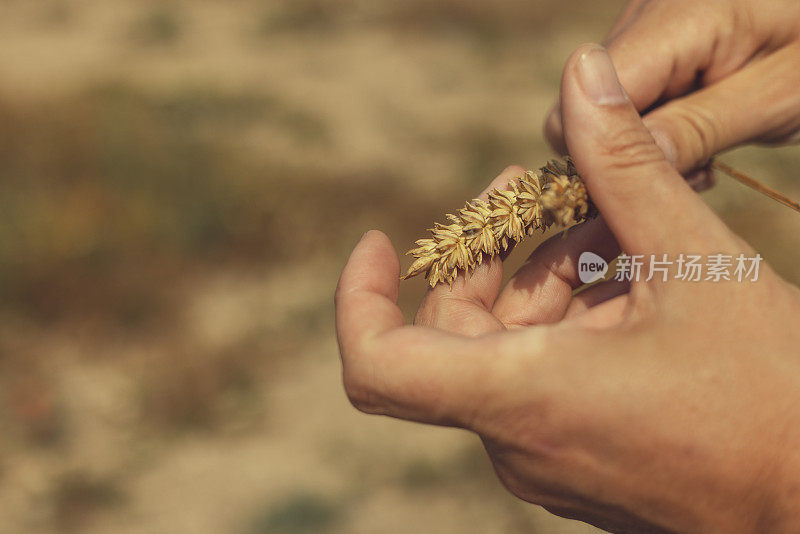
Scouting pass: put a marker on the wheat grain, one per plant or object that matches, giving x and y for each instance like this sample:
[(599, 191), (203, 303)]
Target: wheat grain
[(554, 194)]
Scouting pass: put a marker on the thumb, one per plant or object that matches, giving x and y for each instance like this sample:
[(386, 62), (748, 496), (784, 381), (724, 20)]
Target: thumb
[(646, 203)]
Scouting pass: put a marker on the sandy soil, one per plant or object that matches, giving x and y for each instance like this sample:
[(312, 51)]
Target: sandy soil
[(177, 205)]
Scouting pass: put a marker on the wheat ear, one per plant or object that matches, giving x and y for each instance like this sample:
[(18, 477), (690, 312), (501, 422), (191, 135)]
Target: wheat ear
[(554, 194)]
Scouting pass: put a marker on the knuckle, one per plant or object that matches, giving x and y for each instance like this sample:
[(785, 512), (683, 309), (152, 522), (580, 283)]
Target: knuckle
[(515, 485), (444, 311), (632, 148), (564, 511), (523, 487), (358, 392), (698, 129)]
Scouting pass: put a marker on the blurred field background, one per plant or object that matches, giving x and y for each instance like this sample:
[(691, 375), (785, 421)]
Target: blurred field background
[(180, 184)]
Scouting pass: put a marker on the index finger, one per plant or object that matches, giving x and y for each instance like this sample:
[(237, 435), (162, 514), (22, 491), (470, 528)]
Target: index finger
[(466, 307), (366, 297), (413, 373)]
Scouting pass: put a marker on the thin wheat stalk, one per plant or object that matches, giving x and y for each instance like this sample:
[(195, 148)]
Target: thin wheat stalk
[(554, 194), (755, 184)]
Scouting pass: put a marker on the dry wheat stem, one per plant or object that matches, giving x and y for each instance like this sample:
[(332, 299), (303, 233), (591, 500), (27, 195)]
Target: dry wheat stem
[(554, 194), (755, 184)]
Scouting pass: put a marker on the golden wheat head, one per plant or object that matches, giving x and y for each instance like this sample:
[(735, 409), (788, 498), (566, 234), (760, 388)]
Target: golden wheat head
[(554, 194)]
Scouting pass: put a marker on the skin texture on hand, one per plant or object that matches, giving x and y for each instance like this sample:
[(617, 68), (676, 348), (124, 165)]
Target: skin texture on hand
[(707, 75), (655, 407)]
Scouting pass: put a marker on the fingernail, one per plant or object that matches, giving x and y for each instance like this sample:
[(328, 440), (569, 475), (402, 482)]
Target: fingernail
[(599, 79), (665, 144)]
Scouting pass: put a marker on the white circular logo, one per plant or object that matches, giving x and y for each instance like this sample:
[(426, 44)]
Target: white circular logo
[(591, 267)]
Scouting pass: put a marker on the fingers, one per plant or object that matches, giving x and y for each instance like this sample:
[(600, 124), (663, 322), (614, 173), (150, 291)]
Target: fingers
[(644, 201), (625, 19), (366, 297), (466, 309), (661, 51), (407, 372), (655, 55), (661, 48), (757, 103), (744, 99), (610, 312), (541, 290), (699, 179), (595, 295), (553, 128)]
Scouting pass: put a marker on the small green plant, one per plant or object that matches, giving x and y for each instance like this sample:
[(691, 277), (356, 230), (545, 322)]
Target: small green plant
[(76, 496), (299, 514), (160, 26)]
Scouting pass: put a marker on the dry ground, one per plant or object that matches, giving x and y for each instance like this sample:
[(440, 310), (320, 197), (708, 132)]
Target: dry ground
[(180, 183)]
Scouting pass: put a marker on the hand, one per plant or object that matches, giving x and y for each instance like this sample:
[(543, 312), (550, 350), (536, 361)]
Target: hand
[(672, 407), (707, 75)]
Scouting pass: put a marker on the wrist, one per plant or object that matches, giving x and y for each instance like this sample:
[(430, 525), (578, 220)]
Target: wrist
[(768, 495)]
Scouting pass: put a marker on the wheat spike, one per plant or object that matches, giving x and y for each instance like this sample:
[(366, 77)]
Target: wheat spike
[(554, 194)]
